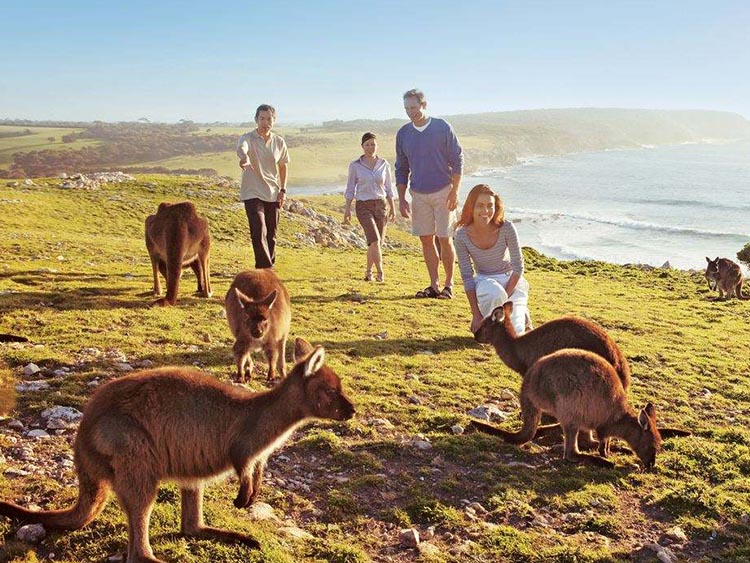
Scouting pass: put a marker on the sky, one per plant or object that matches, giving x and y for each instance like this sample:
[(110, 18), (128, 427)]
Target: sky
[(320, 60)]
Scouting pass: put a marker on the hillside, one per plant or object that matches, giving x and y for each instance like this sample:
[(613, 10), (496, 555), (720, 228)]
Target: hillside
[(75, 279), (320, 154)]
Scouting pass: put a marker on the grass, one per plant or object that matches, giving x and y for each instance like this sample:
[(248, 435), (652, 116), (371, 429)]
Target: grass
[(74, 275)]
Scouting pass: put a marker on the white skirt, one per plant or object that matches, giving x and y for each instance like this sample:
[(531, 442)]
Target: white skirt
[(491, 293)]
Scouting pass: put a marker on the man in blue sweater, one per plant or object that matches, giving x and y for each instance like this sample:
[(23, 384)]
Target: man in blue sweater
[(429, 161)]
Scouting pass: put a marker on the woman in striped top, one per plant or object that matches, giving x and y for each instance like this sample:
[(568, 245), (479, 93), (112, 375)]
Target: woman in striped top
[(370, 184), (490, 259)]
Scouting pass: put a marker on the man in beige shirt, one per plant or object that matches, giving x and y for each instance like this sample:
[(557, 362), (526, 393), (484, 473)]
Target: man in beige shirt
[(263, 158)]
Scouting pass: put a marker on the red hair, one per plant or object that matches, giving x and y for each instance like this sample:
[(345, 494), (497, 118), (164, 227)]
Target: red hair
[(467, 213)]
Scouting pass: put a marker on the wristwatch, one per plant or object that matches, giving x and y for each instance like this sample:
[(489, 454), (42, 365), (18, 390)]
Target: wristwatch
[(282, 191)]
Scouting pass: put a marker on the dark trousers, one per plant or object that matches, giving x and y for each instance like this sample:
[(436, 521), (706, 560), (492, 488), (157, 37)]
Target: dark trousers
[(263, 217)]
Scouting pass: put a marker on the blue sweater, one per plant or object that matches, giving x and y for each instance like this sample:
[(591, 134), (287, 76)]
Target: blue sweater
[(430, 157)]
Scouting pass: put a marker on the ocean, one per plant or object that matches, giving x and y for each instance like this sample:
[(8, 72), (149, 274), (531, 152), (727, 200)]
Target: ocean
[(676, 203)]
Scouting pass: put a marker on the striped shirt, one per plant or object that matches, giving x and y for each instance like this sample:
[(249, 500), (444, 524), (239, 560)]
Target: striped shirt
[(503, 257), (364, 184)]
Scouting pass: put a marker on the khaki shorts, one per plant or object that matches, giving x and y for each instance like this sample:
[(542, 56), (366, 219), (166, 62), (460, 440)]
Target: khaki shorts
[(371, 215), (429, 216)]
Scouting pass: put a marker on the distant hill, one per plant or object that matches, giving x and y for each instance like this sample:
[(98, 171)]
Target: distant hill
[(320, 154)]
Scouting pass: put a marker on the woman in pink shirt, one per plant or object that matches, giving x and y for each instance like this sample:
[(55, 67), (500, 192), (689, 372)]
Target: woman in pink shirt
[(370, 184)]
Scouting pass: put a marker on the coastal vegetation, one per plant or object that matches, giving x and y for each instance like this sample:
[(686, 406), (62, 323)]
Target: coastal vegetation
[(75, 279), (320, 153)]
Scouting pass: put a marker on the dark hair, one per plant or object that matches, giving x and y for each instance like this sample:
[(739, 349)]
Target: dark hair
[(367, 136), (414, 93), (467, 213), (265, 107)]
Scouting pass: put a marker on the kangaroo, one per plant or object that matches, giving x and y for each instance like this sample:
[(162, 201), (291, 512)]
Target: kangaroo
[(259, 315), (183, 425), (726, 277), (519, 353), (584, 392), (176, 237)]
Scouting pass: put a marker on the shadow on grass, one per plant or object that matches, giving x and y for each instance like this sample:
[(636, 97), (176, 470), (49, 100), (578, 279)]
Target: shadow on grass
[(401, 347)]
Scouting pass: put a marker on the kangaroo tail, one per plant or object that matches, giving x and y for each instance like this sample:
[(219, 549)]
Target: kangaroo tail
[(511, 437), (176, 241), (92, 496), (674, 432), (12, 338)]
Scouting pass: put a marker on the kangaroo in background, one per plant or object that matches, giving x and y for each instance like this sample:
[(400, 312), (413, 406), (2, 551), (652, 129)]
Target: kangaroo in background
[(183, 425), (519, 353), (177, 237), (584, 392), (259, 315), (727, 277)]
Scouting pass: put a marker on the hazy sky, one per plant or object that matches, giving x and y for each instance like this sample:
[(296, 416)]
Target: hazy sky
[(318, 60)]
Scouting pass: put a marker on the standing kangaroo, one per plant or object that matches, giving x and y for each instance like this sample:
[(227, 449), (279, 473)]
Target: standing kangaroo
[(176, 237), (183, 425), (519, 353), (259, 315), (727, 277), (584, 392)]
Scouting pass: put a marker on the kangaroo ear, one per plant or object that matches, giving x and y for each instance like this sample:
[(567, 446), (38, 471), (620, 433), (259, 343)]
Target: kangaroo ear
[(498, 314), (647, 412), (270, 299), (242, 299), (302, 348), (708, 259), (717, 259), (508, 307), (315, 361)]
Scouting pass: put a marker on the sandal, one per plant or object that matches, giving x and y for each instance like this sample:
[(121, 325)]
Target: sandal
[(380, 277), (368, 276), (427, 292), (447, 293)]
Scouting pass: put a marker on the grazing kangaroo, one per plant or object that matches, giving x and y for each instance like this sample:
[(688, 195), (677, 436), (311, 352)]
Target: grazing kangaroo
[(259, 315), (183, 425), (176, 237), (584, 392), (519, 353), (727, 277)]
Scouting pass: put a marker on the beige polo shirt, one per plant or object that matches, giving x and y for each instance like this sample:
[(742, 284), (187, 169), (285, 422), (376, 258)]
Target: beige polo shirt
[(263, 181)]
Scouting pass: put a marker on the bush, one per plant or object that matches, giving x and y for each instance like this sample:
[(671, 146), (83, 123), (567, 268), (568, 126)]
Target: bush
[(744, 254)]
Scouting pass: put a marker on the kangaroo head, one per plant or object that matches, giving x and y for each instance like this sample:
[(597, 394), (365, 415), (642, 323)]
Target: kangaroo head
[(256, 313), (649, 440), (323, 395), (712, 268), (495, 320)]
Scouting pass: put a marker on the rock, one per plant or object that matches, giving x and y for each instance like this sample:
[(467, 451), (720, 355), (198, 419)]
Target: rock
[(295, 533), (115, 558), (487, 413), (13, 472), (414, 400), (664, 554), (381, 422), (408, 537), (666, 265), (745, 519), (262, 511), (37, 434), (31, 533), (59, 373), (507, 395), (58, 418), (420, 443), (28, 182), (676, 534), (428, 549), (478, 508), (32, 386), (122, 366), (16, 425), (381, 335), (31, 369), (457, 429)]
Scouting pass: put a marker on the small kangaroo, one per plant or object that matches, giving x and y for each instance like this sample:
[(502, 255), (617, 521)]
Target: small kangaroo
[(259, 315), (183, 425), (519, 353), (584, 392), (177, 237), (727, 277)]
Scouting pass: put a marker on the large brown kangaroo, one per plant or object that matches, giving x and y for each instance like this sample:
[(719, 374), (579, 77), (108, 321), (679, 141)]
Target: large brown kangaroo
[(183, 425), (584, 392), (727, 277), (177, 237), (259, 315), (519, 353)]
